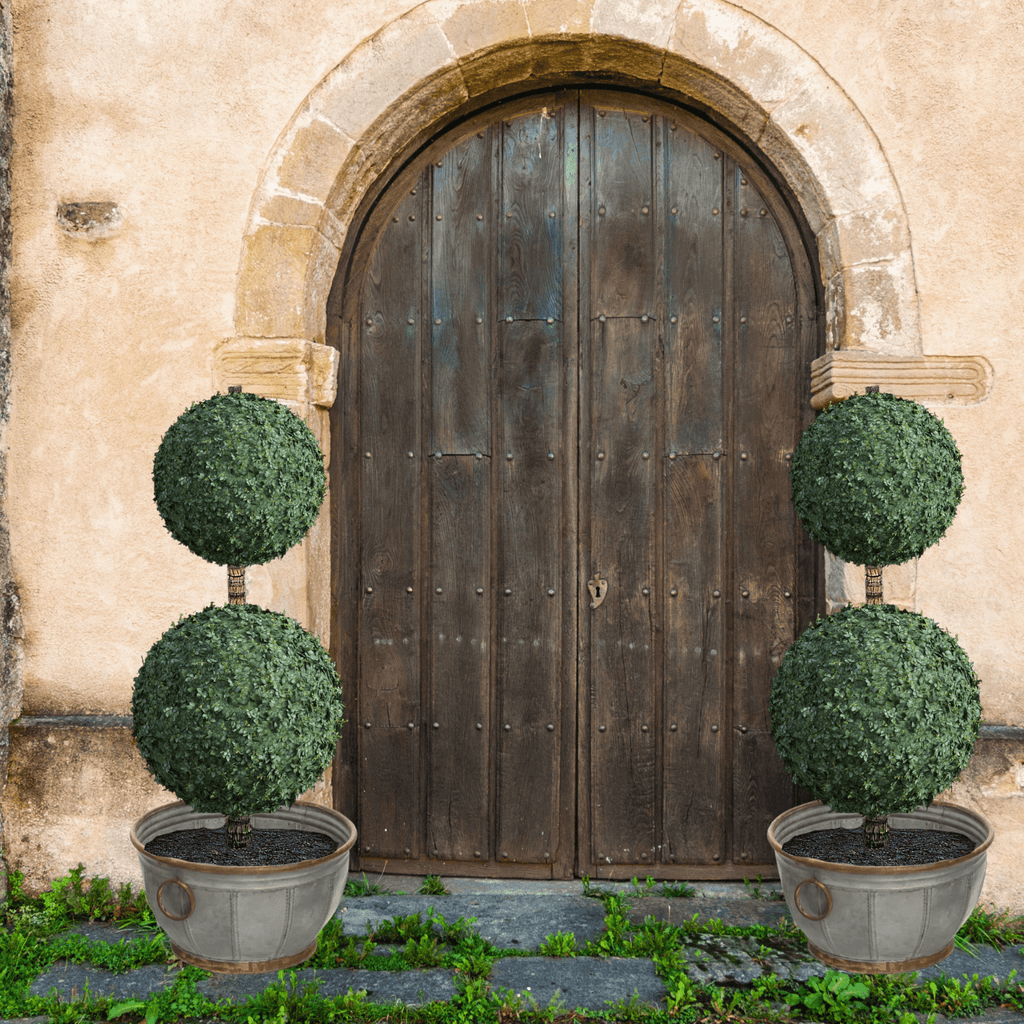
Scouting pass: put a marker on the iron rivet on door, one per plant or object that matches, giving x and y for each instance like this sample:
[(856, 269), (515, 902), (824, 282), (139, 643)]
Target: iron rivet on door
[(602, 728), (673, 727), (479, 590), (551, 727), (437, 725)]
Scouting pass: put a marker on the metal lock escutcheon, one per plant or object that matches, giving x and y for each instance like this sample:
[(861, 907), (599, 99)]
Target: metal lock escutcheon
[(598, 587)]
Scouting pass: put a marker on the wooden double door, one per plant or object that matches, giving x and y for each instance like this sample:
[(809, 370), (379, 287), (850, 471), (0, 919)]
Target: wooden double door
[(576, 336)]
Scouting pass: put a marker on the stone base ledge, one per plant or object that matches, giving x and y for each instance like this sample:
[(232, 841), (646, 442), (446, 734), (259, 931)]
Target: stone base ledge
[(75, 787), (292, 370), (933, 380)]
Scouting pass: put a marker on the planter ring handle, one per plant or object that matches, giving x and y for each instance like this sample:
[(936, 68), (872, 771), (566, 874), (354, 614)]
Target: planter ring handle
[(188, 893), (824, 889)]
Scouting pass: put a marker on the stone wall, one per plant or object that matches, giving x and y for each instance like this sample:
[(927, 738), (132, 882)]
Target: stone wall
[(10, 623), (187, 177)]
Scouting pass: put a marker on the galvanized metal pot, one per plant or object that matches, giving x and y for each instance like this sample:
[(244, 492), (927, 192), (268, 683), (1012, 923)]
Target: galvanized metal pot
[(881, 920), (242, 920)]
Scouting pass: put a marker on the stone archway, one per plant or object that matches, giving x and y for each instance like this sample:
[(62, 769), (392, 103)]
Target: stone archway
[(425, 69), (420, 70)]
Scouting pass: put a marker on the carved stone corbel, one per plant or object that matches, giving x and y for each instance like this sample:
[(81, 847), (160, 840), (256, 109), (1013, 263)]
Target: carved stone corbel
[(933, 380)]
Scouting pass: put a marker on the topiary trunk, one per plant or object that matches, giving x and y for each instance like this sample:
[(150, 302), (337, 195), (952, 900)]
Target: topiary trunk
[(876, 830), (239, 829), (239, 833)]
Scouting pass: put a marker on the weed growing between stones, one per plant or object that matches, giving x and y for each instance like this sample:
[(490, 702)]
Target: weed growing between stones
[(32, 942)]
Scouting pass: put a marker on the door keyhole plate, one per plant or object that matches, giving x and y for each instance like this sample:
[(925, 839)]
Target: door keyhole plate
[(598, 588)]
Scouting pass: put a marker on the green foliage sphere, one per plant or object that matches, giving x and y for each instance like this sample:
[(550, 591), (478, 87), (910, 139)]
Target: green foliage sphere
[(875, 710), (876, 479), (236, 710), (238, 479)]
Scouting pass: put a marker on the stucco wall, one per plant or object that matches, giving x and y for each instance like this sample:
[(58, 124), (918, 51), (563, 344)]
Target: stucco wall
[(174, 113)]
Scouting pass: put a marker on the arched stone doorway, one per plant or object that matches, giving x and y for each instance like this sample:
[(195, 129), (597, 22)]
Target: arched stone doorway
[(398, 89), (576, 333)]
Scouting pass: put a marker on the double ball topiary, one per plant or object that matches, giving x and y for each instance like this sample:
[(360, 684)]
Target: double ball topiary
[(875, 710), (238, 479), (236, 710), (876, 479)]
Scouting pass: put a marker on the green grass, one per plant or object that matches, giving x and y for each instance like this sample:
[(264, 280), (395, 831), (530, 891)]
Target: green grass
[(32, 941)]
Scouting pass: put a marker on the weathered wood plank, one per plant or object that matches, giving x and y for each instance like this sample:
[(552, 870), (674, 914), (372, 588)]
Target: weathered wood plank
[(622, 270), (692, 217), (458, 724), (623, 504), (533, 530), (766, 365), (390, 816), (461, 306), (530, 269), (694, 771)]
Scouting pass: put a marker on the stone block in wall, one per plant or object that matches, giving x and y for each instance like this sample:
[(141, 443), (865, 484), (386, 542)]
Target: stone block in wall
[(76, 785)]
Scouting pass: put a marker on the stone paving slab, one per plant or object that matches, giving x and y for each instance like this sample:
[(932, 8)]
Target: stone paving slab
[(69, 979), (732, 912), (585, 982), (509, 922), (413, 988)]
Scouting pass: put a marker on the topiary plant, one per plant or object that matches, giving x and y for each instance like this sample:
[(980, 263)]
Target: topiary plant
[(238, 479), (876, 479), (875, 710), (236, 709)]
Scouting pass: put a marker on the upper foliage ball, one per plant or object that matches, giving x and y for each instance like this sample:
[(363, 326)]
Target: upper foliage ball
[(236, 710), (876, 479), (875, 710), (239, 479)]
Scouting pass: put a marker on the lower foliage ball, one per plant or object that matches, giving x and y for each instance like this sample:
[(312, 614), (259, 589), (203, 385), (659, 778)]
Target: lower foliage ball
[(875, 710), (236, 710)]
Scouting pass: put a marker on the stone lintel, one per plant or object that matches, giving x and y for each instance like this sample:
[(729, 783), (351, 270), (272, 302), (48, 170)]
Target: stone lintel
[(292, 370), (934, 380)]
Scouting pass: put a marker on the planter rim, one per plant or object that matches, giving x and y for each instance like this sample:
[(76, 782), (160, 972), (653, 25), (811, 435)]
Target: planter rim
[(233, 869), (878, 869)]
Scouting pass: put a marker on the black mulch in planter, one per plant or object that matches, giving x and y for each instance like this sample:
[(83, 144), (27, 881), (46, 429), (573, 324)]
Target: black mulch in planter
[(906, 846), (268, 846)]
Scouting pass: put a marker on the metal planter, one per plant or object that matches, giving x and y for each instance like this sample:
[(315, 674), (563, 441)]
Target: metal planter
[(242, 920), (875, 920)]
